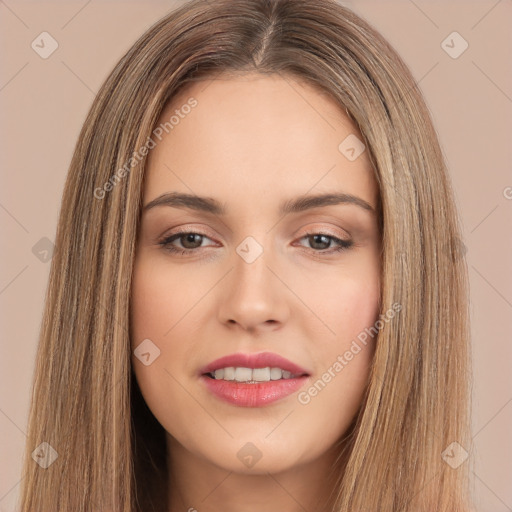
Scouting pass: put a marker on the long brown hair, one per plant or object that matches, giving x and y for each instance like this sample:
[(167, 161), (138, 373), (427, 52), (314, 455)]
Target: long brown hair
[(86, 404)]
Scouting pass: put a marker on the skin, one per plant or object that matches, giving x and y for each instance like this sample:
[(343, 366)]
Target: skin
[(252, 142)]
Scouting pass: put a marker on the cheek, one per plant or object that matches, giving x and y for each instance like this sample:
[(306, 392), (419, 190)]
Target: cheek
[(159, 300), (346, 301), (343, 359), (149, 307), (348, 304), (153, 313), (158, 313), (356, 307)]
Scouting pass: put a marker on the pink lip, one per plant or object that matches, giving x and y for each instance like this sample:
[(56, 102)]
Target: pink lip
[(261, 360), (254, 395)]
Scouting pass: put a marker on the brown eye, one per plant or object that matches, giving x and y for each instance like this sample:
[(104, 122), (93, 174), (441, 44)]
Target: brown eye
[(321, 242), (188, 240)]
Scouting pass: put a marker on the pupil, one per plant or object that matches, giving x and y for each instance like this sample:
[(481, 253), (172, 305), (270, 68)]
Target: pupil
[(190, 238), (315, 237)]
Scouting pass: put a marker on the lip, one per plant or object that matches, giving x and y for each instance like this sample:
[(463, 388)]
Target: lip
[(242, 394), (261, 360), (253, 395)]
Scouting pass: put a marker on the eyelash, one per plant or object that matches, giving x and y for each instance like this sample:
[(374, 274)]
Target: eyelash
[(343, 245)]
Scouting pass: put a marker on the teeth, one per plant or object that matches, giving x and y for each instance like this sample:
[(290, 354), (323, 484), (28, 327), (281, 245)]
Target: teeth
[(261, 374), (251, 375), (243, 374), (276, 373), (229, 373)]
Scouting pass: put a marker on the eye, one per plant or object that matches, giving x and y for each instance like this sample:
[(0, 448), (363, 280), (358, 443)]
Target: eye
[(191, 241), (320, 240)]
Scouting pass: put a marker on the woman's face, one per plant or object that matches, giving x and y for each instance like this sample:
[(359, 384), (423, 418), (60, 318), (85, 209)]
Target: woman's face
[(256, 270)]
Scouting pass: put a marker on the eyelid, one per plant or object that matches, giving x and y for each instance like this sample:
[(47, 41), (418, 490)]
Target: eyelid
[(341, 243), (326, 228), (185, 230), (314, 230), (320, 228)]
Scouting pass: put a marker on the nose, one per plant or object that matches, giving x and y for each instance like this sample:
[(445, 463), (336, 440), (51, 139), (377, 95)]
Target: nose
[(254, 296)]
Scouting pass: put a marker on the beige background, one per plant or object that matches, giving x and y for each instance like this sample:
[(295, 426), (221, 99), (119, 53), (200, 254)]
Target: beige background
[(44, 103)]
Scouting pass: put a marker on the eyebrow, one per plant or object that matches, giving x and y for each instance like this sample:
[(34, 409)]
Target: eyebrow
[(299, 204)]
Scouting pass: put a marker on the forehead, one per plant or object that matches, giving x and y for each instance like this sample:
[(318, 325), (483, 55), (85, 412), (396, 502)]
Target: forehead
[(255, 136)]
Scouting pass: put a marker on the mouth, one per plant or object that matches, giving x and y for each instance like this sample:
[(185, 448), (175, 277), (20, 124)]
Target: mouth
[(252, 375), (253, 380)]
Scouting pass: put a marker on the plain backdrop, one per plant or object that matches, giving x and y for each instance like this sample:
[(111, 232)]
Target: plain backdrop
[(44, 102)]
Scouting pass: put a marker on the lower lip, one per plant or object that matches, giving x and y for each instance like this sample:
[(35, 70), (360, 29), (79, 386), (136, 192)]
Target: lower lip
[(253, 395)]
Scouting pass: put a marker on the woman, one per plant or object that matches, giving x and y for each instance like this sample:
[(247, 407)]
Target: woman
[(258, 370)]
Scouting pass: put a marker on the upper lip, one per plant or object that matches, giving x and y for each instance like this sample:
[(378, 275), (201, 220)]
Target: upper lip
[(261, 360)]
